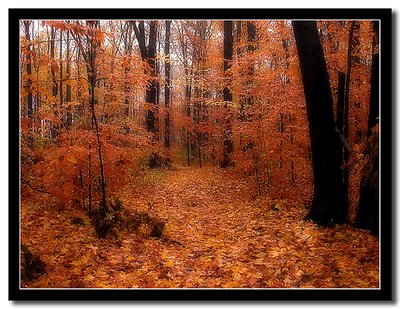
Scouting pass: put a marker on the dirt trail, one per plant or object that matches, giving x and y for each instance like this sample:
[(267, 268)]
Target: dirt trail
[(217, 235)]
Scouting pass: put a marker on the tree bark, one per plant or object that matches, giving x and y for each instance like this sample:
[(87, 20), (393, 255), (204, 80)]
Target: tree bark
[(90, 58), (374, 95), (247, 99), (228, 55), (326, 207), (148, 55), (61, 71), (188, 98), (167, 88), (68, 95), (345, 126), (251, 39), (368, 208), (340, 127), (151, 93), (127, 40), (52, 52), (29, 72)]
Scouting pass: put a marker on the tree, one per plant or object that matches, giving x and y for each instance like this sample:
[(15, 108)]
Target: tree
[(128, 46), (61, 70), (345, 125), (54, 65), (247, 97), (326, 207), (94, 39), (368, 208), (340, 127), (68, 95), (251, 41), (167, 83), (148, 54), (374, 95), (27, 24), (228, 55), (342, 116), (183, 42)]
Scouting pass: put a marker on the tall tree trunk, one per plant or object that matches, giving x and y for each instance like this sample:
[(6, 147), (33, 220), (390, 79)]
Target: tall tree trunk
[(81, 106), (199, 54), (239, 55), (248, 99), (326, 207), (374, 95), (340, 101), (68, 95), (29, 72), (251, 39), (148, 55), (188, 97), (188, 93), (128, 52), (91, 66), (36, 104), (151, 93), (228, 55), (52, 55), (61, 71), (340, 128), (345, 124), (239, 38), (368, 208), (167, 88)]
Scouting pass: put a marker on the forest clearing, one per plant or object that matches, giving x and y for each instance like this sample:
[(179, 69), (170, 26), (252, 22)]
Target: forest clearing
[(199, 154)]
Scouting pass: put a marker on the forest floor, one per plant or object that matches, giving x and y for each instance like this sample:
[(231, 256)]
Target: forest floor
[(217, 235)]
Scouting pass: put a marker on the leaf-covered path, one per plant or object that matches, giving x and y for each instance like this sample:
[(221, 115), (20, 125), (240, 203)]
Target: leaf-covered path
[(217, 235)]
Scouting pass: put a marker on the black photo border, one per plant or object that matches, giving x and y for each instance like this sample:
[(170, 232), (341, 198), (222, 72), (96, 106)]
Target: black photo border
[(384, 293)]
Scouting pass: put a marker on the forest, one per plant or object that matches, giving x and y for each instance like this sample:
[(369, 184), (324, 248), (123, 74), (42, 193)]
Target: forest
[(199, 154)]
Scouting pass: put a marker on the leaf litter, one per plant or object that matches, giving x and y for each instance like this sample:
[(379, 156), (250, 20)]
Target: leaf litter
[(218, 235)]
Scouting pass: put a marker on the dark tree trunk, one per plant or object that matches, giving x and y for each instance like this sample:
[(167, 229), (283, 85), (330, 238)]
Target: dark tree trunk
[(81, 107), (326, 207), (198, 59), (251, 39), (368, 208), (239, 37), (127, 40), (167, 84), (345, 126), (29, 72), (188, 97), (339, 125), (92, 78), (151, 93), (340, 101), (53, 73), (90, 57), (148, 55), (61, 71), (374, 96), (68, 95), (37, 100), (248, 99), (228, 55), (188, 94)]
